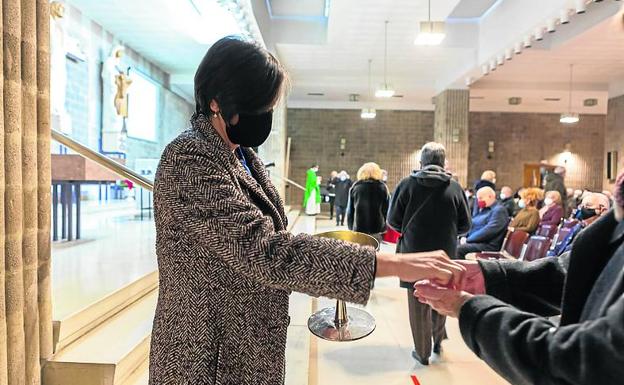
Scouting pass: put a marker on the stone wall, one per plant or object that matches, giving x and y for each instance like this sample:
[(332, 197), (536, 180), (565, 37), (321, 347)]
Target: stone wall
[(391, 139), (614, 135), (521, 138)]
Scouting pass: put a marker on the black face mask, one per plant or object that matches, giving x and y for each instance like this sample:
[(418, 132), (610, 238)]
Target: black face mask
[(585, 213), (251, 130)]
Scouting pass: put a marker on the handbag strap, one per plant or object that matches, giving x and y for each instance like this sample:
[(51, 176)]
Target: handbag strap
[(403, 228)]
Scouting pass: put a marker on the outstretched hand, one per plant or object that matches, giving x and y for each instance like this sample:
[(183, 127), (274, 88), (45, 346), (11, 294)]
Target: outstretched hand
[(474, 282), (444, 300), (433, 265)]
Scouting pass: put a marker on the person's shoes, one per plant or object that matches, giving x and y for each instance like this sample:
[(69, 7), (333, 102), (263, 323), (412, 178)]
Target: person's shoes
[(423, 361), (437, 348)]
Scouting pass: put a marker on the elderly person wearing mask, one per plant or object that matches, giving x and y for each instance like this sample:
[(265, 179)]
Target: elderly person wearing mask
[(226, 262), (504, 306), (552, 212), (528, 217), (507, 200), (489, 225)]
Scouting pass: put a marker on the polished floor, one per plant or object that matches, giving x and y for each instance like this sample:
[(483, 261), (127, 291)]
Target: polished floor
[(118, 248)]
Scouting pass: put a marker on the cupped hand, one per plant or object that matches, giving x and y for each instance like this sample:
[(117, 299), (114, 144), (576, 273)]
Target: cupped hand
[(444, 300), (474, 282), (434, 266)]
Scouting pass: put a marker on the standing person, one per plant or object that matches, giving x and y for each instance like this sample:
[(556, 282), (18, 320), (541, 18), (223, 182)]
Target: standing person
[(331, 192), (312, 195), (552, 212), (507, 200), (343, 185), (554, 180), (528, 217), (368, 202), (226, 262), (384, 176), (430, 210)]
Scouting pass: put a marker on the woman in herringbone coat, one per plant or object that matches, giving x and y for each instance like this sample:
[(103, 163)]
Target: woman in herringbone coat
[(226, 262)]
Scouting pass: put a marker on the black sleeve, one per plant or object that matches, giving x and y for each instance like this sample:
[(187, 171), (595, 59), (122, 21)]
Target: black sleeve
[(350, 209), (464, 219), (397, 207), (528, 349), (385, 201), (536, 287)]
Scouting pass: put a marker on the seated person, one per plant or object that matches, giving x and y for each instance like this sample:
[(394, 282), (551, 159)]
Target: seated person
[(507, 200), (528, 217), (489, 225), (593, 206), (552, 212), (508, 328), (488, 179)]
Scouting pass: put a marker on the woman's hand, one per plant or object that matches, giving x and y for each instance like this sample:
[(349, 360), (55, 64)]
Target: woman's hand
[(444, 300), (433, 265)]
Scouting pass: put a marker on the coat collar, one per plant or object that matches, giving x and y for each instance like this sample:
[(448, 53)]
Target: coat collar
[(261, 190)]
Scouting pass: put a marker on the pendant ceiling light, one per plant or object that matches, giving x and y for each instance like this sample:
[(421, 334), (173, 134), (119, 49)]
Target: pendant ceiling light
[(569, 117), (369, 113), (385, 91), (431, 32)]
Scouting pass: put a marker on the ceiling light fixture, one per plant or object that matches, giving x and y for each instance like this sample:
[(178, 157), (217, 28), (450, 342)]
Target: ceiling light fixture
[(569, 117), (581, 6), (551, 25), (431, 32), (385, 91), (369, 113), (564, 16)]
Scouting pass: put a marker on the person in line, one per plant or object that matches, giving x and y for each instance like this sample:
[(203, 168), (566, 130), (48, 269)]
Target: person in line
[(504, 306), (552, 212), (507, 200), (226, 262), (331, 192), (528, 217), (488, 179), (555, 180), (368, 202), (593, 206), (384, 176), (430, 210), (343, 185), (312, 195), (489, 225)]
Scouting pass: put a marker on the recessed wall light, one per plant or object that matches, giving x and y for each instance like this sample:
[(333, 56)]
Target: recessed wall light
[(514, 101), (316, 94), (591, 102), (552, 99)]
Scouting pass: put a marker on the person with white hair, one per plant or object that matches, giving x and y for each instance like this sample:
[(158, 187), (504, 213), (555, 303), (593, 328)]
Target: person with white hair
[(504, 306), (489, 225)]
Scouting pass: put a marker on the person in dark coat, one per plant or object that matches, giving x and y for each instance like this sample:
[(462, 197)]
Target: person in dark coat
[(429, 209), (331, 192), (226, 262), (508, 329), (342, 185), (368, 202), (554, 180), (507, 200), (489, 225)]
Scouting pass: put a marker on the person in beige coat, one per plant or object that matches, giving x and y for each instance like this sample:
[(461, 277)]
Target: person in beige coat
[(227, 264)]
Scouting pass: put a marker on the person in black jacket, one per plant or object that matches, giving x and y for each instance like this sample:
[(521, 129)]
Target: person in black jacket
[(368, 202), (507, 327), (342, 185), (429, 209)]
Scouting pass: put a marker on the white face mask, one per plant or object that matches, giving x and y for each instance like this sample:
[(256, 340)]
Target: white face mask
[(548, 201), (521, 204), (343, 178), (503, 196)]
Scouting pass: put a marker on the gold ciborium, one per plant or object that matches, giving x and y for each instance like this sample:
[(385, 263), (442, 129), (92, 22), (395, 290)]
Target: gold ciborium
[(342, 323)]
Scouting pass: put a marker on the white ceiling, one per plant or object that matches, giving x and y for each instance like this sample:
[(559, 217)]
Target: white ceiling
[(597, 55)]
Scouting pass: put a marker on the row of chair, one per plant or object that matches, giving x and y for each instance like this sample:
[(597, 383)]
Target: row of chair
[(520, 245)]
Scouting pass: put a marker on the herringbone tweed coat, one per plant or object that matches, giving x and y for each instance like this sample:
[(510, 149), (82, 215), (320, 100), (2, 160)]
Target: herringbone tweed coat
[(227, 265)]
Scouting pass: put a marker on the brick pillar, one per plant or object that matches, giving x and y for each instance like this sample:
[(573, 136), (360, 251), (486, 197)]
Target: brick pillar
[(451, 129)]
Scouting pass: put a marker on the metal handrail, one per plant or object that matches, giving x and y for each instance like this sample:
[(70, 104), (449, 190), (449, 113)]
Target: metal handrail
[(289, 181), (103, 160)]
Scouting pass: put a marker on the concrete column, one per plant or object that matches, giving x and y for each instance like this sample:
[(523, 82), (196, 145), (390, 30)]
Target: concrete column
[(451, 129)]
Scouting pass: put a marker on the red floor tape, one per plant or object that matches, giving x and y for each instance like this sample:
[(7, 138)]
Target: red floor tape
[(415, 380)]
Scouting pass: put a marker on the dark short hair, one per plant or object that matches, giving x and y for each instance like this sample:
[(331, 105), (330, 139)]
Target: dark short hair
[(432, 153), (240, 75)]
